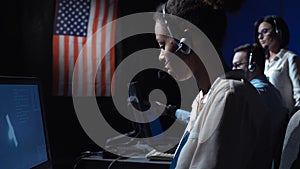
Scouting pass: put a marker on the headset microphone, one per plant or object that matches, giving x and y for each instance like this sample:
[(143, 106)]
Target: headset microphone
[(183, 46)]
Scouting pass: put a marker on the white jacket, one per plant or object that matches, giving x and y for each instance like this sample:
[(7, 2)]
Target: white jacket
[(284, 73), (230, 131)]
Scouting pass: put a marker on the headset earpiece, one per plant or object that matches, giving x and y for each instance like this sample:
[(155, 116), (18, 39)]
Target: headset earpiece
[(275, 26), (251, 66), (184, 46)]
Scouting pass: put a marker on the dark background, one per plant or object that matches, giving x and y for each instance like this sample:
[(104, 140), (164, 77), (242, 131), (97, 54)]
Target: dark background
[(27, 51)]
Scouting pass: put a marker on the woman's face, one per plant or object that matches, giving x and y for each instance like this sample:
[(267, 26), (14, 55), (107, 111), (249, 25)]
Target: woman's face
[(266, 35), (176, 64)]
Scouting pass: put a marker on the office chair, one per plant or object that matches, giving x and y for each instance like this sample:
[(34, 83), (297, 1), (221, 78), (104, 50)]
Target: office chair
[(290, 157)]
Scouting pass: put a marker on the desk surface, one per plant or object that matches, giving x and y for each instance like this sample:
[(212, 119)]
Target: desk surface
[(97, 162)]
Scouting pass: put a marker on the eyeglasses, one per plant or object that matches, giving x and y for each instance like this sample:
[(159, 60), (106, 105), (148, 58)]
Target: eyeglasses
[(237, 65), (263, 32)]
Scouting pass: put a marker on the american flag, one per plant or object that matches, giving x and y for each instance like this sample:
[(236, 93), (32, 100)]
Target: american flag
[(77, 40)]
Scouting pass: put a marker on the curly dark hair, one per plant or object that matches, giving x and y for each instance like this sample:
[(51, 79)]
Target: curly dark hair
[(208, 15)]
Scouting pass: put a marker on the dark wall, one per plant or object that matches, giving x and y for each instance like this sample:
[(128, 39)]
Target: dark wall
[(241, 24), (291, 16), (11, 60), (27, 41)]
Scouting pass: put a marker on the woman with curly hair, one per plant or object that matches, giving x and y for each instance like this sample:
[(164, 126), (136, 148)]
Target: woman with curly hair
[(228, 126)]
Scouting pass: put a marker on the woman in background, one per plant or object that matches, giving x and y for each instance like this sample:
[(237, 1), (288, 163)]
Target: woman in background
[(282, 66)]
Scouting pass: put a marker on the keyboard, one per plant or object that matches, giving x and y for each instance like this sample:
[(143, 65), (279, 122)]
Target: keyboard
[(156, 155)]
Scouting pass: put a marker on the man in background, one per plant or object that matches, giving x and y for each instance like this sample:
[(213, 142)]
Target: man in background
[(250, 58)]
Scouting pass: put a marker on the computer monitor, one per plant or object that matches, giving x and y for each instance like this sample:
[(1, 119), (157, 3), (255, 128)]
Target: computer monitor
[(139, 90), (23, 132), (137, 103)]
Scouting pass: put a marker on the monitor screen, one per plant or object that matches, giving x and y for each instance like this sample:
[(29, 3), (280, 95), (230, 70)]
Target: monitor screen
[(138, 103), (23, 136), (139, 90)]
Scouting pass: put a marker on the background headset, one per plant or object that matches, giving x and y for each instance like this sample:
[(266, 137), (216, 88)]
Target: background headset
[(251, 66), (275, 26), (183, 45)]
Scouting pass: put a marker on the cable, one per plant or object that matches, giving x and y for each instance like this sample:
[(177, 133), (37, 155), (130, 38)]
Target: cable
[(114, 161), (136, 126), (77, 161), (86, 154)]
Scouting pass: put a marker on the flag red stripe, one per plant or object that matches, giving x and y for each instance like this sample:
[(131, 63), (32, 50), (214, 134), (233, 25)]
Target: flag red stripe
[(55, 64), (103, 48), (66, 64), (75, 72), (76, 49), (85, 70), (94, 41), (96, 17), (112, 44)]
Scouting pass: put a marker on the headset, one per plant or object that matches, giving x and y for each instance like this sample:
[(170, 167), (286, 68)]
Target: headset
[(275, 25), (183, 44), (251, 66)]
